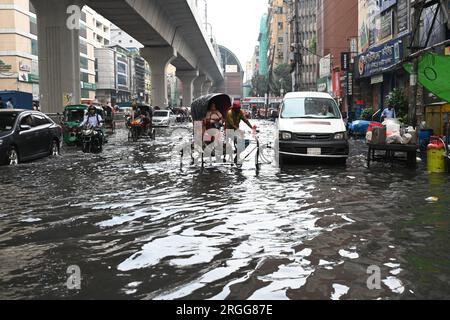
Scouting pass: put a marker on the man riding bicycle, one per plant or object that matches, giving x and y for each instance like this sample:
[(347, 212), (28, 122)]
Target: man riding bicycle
[(234, 117)]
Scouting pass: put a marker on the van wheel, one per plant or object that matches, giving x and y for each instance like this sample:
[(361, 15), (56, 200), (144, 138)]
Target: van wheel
[(13, 157)]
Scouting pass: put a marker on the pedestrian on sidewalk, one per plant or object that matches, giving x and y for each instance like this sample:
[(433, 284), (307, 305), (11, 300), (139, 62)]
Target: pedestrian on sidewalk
[(388, 113)]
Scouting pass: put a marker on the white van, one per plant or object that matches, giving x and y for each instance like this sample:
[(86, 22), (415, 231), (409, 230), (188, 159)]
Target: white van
[(310, 124)]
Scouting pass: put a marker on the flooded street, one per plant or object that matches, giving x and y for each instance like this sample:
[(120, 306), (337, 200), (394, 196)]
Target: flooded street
[(139, 227)]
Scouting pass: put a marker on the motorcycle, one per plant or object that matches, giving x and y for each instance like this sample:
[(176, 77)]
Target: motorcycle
[(91, 139)]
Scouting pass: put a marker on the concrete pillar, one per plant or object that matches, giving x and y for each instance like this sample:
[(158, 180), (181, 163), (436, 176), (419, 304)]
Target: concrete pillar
[(207, 87), (187, 78), (159, 58), (198, 83), (59, 53)]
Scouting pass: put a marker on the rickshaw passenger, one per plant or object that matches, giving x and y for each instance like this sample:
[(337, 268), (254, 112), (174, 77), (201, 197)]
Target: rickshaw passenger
[(213, 119)]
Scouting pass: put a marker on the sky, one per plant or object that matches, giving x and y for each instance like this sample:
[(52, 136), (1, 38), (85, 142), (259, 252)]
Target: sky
[(235, 24)]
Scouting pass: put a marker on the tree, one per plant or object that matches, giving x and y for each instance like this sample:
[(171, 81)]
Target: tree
[(281, 80), (397, 99), (259, 85)]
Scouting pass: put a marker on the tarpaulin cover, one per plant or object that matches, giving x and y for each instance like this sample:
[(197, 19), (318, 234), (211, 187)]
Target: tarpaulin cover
[(199, 107), (434, 74)]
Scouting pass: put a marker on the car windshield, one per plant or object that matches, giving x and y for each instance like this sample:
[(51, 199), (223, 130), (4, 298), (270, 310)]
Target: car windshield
[(320, 108), (160, 114), (75, 115), (7, 121)]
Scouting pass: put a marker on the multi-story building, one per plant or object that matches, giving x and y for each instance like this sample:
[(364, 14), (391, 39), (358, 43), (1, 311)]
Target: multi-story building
[(148, 83), (278, 31), (336, 25), (94, 33), (19, 47), (303, 50), (255, 62), (123, 39), (233, 75), (383, 40), (137, 63), (113, 74), (263, 46)]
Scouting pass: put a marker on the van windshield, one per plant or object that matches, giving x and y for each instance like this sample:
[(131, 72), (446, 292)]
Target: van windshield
[(316, 108)]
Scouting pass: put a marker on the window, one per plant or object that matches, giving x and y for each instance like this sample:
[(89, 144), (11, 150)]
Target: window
[(122, 80), (121, 68), (84, 77), (39, 120), (83, 32), (7, 121), (33, 26), (27, 121), (84, 63), (34, 47), (83, 46), (280, 39), (85, 94), (280, 25)]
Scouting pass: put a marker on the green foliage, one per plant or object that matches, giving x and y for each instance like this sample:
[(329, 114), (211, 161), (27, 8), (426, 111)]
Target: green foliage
[(367, 114), (398, 100), (281, 79), (259, 85), (313, 45)]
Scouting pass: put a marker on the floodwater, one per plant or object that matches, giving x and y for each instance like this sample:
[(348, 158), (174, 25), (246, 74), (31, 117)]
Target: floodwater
[(139, 226)]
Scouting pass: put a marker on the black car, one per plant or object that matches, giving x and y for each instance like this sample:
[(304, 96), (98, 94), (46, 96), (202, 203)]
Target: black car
[(26, 135)]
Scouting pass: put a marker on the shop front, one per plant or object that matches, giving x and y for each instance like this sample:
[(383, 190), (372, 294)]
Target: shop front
[(378, 71)]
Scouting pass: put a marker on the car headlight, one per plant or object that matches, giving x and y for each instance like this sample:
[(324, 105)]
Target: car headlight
[(285, 135), (340, 136)]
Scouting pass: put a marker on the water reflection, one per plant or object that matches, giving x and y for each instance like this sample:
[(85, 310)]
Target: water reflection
[(139, 227)]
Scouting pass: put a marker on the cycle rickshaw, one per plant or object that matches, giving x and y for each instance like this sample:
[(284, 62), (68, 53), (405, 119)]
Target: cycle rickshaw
[(226, 146)]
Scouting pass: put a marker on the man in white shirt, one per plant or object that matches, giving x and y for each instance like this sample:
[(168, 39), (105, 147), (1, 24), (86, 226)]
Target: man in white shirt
[(92, 118), (95, 120), (388, 113)]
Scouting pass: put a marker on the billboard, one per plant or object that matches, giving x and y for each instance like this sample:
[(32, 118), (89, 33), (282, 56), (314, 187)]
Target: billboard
[(325, 66), (369, 24), (379, 59)]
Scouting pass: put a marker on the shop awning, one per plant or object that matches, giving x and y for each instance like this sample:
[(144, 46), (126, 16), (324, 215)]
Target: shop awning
[(434, 74)]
